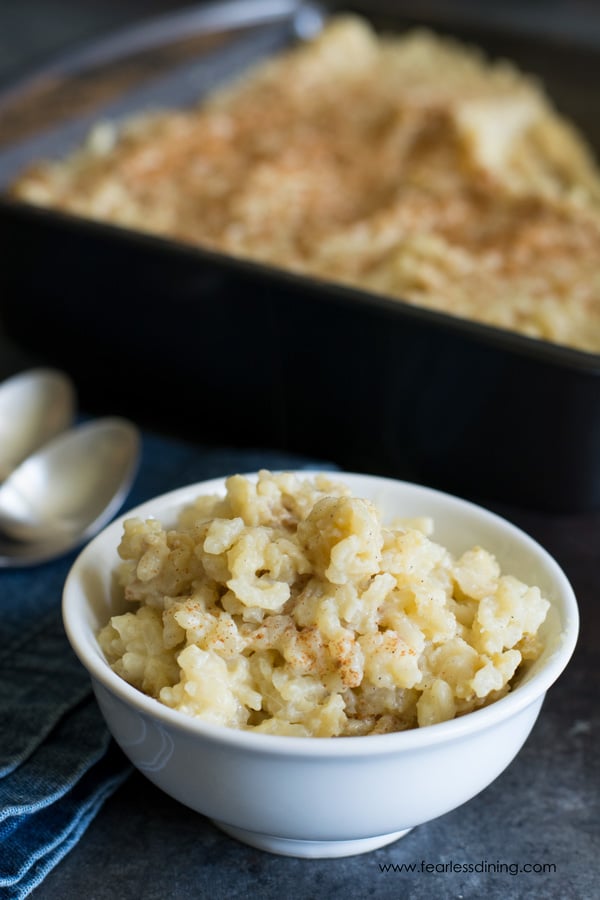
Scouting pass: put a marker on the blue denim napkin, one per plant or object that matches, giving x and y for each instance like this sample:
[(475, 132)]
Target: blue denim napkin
[(58, 763)]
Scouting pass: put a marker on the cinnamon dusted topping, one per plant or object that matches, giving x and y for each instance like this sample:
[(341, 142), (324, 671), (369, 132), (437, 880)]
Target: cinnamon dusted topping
[(409, 166), (331, 623)]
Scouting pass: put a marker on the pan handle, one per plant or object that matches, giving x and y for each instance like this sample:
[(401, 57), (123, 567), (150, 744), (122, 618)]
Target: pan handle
[(305, 18)]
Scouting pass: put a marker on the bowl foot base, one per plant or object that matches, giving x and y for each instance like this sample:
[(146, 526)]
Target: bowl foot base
[(309, 849)]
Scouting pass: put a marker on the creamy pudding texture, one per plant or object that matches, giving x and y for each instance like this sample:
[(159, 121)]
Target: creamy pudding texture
[(289, 607)]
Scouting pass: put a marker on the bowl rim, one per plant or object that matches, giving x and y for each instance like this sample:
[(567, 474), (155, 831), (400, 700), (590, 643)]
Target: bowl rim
[(523, 696)]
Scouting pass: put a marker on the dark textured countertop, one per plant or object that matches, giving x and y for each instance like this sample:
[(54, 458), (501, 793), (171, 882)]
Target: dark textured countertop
[(542, 813)]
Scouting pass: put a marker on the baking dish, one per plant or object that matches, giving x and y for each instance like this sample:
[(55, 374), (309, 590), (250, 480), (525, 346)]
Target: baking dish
[(224, 350)]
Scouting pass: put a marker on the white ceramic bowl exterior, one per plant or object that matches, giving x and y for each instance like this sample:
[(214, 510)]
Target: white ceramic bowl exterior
[(318, 797)]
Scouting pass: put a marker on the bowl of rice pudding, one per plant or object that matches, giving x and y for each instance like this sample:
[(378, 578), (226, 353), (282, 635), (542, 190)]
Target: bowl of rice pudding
[(317, 662)]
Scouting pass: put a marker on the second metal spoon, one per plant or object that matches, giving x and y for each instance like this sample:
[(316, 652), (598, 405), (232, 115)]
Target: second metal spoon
[(67, 491)]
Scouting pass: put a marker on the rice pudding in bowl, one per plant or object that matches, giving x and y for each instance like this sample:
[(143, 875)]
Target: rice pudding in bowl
[(269, 702)]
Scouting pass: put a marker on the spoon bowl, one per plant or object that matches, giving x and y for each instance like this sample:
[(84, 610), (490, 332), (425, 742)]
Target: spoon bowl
[(35, 406), (69, 489)]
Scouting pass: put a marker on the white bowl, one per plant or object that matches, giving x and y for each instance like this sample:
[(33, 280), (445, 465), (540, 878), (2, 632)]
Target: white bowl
[(325, 797)]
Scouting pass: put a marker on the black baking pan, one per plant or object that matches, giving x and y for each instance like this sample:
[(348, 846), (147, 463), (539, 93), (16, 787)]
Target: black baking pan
[(224, 350)]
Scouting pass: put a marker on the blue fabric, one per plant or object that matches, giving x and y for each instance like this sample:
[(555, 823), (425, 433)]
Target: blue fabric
[(58, 763)]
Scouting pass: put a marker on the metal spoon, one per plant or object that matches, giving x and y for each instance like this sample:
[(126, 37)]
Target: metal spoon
[(34, 407), (67, 491)]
